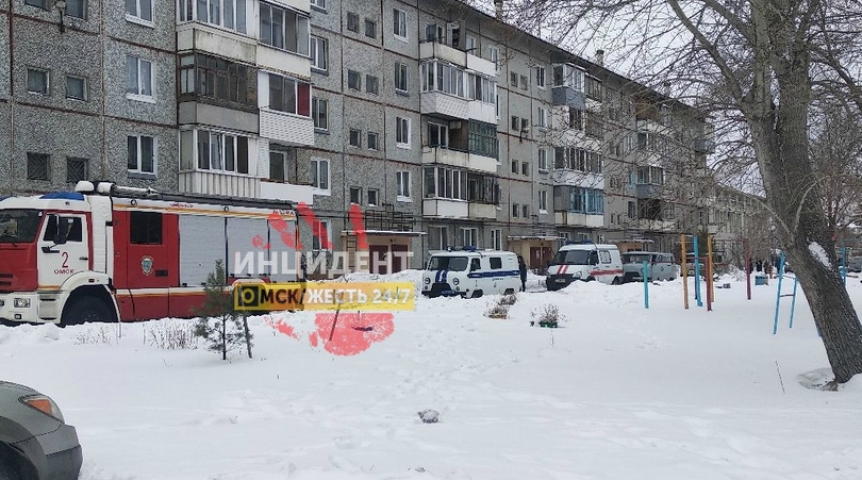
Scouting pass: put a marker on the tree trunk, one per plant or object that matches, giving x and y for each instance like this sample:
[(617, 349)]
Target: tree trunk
[(247, 334), (223, 338)]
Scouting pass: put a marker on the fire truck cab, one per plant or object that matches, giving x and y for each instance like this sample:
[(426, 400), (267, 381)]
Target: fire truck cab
[(107, 252)]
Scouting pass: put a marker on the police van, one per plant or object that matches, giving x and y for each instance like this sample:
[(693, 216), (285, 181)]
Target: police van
[(587, 262), (471, 273)]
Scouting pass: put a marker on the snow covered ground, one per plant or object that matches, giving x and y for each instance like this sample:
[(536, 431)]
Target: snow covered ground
[(619, 392)]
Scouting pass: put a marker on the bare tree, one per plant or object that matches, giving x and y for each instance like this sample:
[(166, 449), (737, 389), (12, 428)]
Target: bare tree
[(756, 65)]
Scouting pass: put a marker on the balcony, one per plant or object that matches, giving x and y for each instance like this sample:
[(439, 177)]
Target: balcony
[(446, 208), (301, 5), (219, 183), (440, 51), (206, 38), (286, 191), (286, 128), (653, 126), (482, 210), (704, 145), (445, 106), (648, 190), (656, 225), (577, 178), (457, 158), (481, 111), (564, 95), (572, 219), (276, 60)]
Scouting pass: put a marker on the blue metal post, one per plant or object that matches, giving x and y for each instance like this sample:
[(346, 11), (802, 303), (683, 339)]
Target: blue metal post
[(646, 286), (778, 295), (793, 303), (697, 275)]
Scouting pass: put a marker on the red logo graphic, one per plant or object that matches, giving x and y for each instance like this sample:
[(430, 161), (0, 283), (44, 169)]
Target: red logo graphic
[(342, 334)]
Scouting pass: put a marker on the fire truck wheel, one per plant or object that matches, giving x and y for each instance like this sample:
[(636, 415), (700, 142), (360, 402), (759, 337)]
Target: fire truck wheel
[(86, 310)]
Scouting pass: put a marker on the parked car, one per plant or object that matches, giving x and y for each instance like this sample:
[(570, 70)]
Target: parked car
[(660, 266), (35, 441)]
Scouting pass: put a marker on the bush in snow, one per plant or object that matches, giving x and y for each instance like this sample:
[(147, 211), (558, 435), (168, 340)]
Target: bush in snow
[(500, 308), (221, 326), (171, 336), (508, 300), (106, 335), (548, 316)]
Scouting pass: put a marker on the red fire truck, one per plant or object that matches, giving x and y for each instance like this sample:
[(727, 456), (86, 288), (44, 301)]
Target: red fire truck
[(107, 252)]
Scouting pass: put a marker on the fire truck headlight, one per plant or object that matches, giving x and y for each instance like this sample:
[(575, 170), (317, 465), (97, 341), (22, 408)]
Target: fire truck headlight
[(22, 303)]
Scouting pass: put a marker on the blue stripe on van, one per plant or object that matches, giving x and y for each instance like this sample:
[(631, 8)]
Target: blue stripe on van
[(502, 273)]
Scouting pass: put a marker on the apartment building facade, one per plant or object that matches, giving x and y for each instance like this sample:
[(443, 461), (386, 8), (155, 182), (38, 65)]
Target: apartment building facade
[(445, 125)]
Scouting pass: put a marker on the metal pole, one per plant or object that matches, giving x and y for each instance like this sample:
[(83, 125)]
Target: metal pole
[(793, 303), (778, 295), (646, 286), (843, 264), (747, 269), (708, 286), (684, 270), (710, 295), (697, 295)]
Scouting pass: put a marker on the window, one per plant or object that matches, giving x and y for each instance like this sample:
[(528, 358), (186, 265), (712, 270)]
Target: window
[(632, 211), (145, 228), (516, 123), (435, 33), (289, 95), (319, 113), (353, 22), (320, 174), (354, 80), (43, 4), (320, 230), (139, 78), (543, 201), (373, 196), (399, 19), (524, 82), (442, 77), (75, 233), (482, 139), (76, 8), (594, 89), (356, 195), (525, 125), (370, 28), (140, 10), (37, 81), (604, 256), (222, 152), (321, 4), (372, 85), (438, 135), (541, 117), (283, 29), (525, 168), (575, 119), (542, 160), (319, 53), (494, 56), (651, 175), (497, 239), (373, 141), (277, 170), (514, 166), (218, 79), (402, 132), (76, 88), (482, 89), (402, 181), (572, 158), (401, 84), (580, 200), (141, 154), (38, 166), (540, 77), (513, 79), (355, 138), (526, 211), (516, 210), (228, 14), (470, 45), (470, 237), (446, 182), (76, 169)]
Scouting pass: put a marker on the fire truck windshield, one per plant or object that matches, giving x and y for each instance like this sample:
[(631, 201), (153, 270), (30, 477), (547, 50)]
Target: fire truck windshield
[(19, 226)]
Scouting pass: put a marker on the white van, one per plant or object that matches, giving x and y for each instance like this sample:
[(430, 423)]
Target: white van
[(587, 262), (471, 273), (660, 266)]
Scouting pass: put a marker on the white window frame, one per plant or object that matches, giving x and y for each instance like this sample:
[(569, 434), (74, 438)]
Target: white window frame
[(326, 226), (316, 162), (494, 56), (321, 4), (402, 76), (543, 201), (403, 126), (542, 159), (403, 185), (315, 113), (138, 170), (376, 137), (138, 96), (137, 16), (399, 24), (376, 201), (470, 237), (283, 156), (541, 77), (497, 239), (542, 117), (319, 51), (516, 210), (358, 138), (187, 7), (84, 85)]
